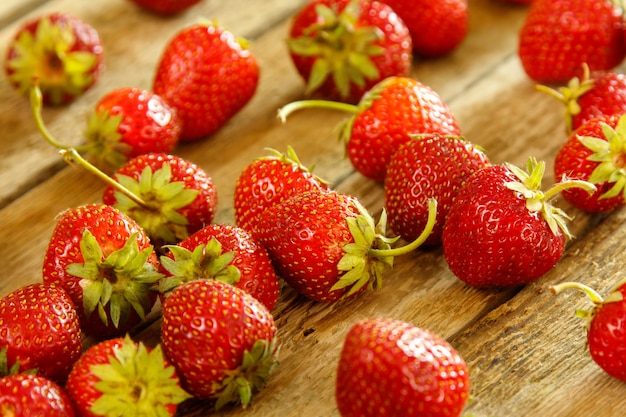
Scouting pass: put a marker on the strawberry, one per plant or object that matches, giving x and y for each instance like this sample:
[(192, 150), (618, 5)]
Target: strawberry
[(326, 245), (384, 118), (502, 229), (33, 396), (552, 49), (416, 372), (105, 262), (119, 377), (40, 330), (437, 27), (341, 48), (267, 181), (225, 253), (426, 167), (128, 122), (166, 7), (221, 340), (207, 74), (595, 152), (62, 51)]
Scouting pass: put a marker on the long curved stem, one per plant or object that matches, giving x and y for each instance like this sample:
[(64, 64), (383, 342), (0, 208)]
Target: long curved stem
[(287, 109)]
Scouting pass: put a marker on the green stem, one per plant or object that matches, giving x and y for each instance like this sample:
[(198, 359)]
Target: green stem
[(286, 110), (590, 292), (566, 184)]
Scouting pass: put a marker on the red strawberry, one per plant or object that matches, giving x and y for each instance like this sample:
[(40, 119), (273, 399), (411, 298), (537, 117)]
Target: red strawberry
[(386, 116), (416, 372), (166, 7), (128, 122), (427, 167), (267, 181), (40, 330), (105, 262), (341, 48), (437, 27), (207, 74), (63, 52), (221, 340), (33, 396), (552, 49), (502, 229), (225, 253), (119, 377), (326, 245), (595, 152)]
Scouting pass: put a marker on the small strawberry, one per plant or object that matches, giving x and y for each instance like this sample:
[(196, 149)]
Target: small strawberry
[(341, 48), (437, 27), (221, 340), (391, 368), (552, 49), (105, 262), (121, 377), (502, 229), (595, 152), (267, 181), (33, 396), (40, 330), (326, 245), (386, 116), (128, 122), (166, 7), (226, 253), (207, 74), (426, 167), (63, 52), (605, 326)]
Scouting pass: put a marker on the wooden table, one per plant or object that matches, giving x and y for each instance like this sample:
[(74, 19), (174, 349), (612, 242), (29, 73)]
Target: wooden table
[(524, 347)]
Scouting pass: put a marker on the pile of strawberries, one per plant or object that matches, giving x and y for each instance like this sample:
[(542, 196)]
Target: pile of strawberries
[(152, 239)]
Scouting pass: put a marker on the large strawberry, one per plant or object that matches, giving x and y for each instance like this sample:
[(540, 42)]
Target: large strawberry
[(121, 377), (596, 152), (24, 395), (384, 118), (391, 368), (225, 253), (106, 263), (40, 330), (502, 229), (221, 340), (62, 51), (341, 48), (426, 167), (552, 48), (207, 74), (166, 7)]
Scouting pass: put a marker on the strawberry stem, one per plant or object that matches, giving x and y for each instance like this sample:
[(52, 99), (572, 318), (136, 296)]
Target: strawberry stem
[(593, 295), (286, 110)]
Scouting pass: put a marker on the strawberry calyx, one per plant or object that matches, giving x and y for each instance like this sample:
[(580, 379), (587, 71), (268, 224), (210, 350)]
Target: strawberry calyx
[(291, 158), (104, 140), (614, 296), (14, 369)]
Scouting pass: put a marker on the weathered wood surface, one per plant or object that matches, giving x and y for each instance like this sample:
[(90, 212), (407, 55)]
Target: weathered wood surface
[(525, 349)]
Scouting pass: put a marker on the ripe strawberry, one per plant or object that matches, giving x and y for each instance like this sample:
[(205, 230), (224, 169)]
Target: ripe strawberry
[(221, 340), (416, 372), (63, 52), (502, 229), (207, 74), (386, 116), (341, 48), (326, 245), (427, 167), (267, 181), (225, 253), (166, 7), (552, 49), (595, 152), (437, 27), (128, 122), (33, 396), (105, 262), (119, 377), (40, 330)]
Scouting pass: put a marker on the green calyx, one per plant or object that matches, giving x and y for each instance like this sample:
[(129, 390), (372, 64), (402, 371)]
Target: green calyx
[(528, 185), (137, 382), (14, 369), (342, 50), (104, 141), (251, 376), (119, 283), (291, 158), (587, 315), (205, 262)]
